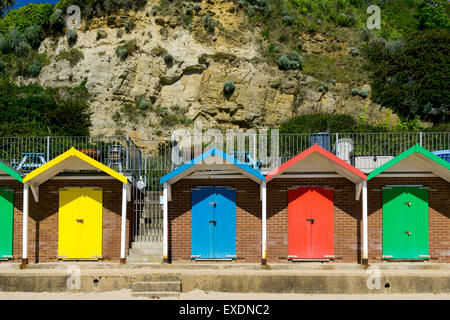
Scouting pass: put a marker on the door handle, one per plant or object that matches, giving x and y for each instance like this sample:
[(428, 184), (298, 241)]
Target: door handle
[(311, 220), (408, 233), (213, 221), (408, 203), (80, 220)]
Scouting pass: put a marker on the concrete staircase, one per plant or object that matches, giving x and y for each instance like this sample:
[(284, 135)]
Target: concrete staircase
[(145, 252), (157, 285)]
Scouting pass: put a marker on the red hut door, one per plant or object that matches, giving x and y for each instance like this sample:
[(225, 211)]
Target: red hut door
[(310, 223)]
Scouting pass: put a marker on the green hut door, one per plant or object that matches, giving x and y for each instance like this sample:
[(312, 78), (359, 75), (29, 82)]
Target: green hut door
[(6, 222), (405, 222)]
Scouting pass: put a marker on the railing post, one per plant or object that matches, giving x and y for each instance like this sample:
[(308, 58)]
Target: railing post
[(48, 148), (127, 154), (255, 148), (421, 137), (336, 145)]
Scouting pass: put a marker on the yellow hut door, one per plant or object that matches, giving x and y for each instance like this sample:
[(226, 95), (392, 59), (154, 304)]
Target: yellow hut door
[(80, 223)]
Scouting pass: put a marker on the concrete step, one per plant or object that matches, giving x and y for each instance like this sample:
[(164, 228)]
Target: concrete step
[(146, 245), (135, 259), (157, 277), (146, 251), (172, 286), (156, 295)]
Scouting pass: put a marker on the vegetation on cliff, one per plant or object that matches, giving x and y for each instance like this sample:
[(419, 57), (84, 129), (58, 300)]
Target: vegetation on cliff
[(406, 61)]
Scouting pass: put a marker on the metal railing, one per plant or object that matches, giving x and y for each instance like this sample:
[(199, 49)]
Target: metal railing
[(28, 153), (153, 158), (162, 156)]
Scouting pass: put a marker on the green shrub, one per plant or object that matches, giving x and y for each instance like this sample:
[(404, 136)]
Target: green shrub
[(415, 82), (163, 111), (14, 37), (282, 38), (295, 56), (288, 20), (57, 18), (4, 45), (2, 65), (209, 24), (144, 104), (168, 59), (127, 49), (354, 52), (394, 46), (228, 88), (22, 18), (295, 61), (34, 69), (128, 26), (71, 36), (122, 53), (344, 20), (313, 123), (433, 14), (274, 48), (133, 112), (355, 92), (254, 7), (22, 48), (284, 63), (33, 36), (101, 34), (323, 88), (35, 111), (100, 8), (17, 42), (73, 56), (363, 93)]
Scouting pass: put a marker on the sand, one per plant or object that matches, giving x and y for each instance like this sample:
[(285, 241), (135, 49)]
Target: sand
[(201, 295)]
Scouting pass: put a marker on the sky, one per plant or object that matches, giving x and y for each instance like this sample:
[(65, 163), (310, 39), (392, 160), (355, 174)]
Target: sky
[(21, 3)]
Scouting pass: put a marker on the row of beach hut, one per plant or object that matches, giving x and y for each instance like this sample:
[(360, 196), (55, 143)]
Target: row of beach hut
[(314, 207)]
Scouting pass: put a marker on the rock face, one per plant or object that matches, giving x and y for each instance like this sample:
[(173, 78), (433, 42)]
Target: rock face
[(188, 84)]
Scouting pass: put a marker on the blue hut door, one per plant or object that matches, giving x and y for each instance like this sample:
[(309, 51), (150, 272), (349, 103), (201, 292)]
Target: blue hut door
[(213, 223)]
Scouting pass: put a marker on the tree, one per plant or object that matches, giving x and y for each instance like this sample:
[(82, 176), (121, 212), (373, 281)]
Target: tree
[(5, 5), (412, 79), (35, 111)]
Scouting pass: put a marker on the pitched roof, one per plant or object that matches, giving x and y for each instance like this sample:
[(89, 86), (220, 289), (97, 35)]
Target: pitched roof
[(339, 165), (188, 167), (423, 159), (69, 160), (6, 169)]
